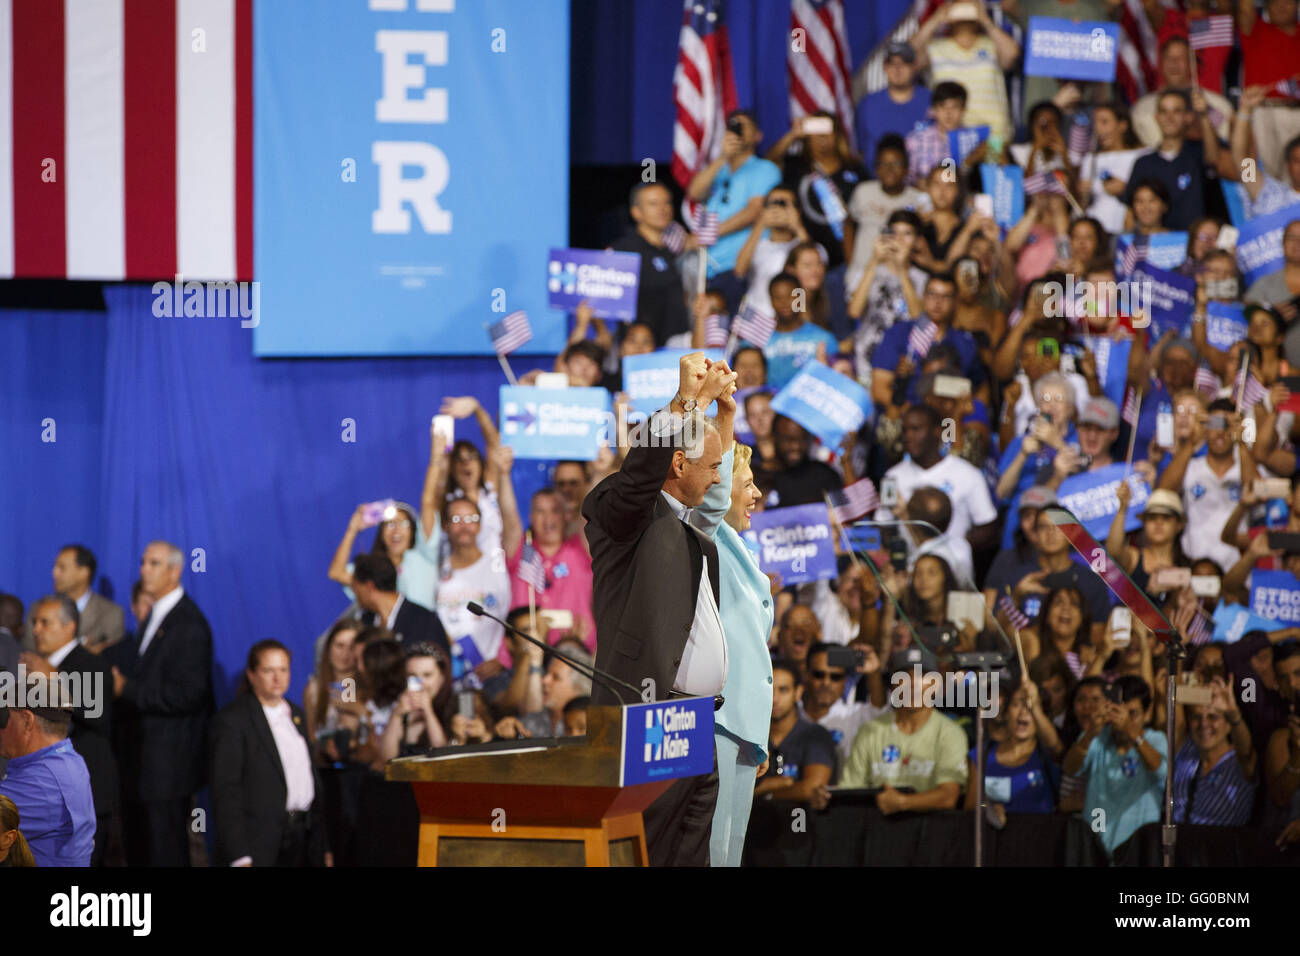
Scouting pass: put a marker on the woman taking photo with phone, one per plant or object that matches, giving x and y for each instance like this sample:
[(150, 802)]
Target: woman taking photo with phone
[(423, 711)]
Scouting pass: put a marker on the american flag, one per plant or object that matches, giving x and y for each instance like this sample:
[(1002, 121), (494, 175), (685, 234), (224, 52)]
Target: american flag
[(715, 331), (821, 72), (1289, 88), (753, 326), (921, 337), (531, 570), (1133, 253), (1017, 618), (511, 332), (1209, 33), (704, 88), (1135, 64), (1079, 142), (1206, 381), (151, 143), (1132, 406), (1199, 631), (674, 238), (705, 226), (903, 30), (1043, 181), (1251, 390), (853, 501)]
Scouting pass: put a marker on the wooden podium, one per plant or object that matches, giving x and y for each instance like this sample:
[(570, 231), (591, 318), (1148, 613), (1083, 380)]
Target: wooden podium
[(476, 809)]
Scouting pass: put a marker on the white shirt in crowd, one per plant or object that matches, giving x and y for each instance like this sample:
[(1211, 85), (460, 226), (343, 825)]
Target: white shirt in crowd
[(768, 261), (161, 608), (845, 719), (703, 670), (485, 582), (962, 482), (837, 626), (1208, 501)]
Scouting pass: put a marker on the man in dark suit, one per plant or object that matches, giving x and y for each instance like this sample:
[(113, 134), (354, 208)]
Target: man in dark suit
[(265, 795), (54, 629), (655, 607), (102, 622), (374, 582), (168, 702)]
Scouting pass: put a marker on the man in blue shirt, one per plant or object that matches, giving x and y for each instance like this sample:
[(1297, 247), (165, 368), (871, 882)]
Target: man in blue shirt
[(49, 783), (901, 107), (733, 186)]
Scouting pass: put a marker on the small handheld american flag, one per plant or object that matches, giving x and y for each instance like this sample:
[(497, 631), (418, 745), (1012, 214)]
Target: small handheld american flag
[(1208, 33), (531, 570), (1018, 619), (1080, 137), (1130, 411), (1289, 87), (753, 326), (922, 337), (715, 331), (1043, 181), (1206, 381), (1250, 389), (853, 501), (705, 226), (511, 332), (674, 238), (1134, 253)]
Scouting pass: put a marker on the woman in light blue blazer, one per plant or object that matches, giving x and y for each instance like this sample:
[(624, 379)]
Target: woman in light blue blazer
[(742, 725)]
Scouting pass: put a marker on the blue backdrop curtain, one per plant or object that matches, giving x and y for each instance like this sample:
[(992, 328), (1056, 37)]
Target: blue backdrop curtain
[(169, 428), (624, 53)]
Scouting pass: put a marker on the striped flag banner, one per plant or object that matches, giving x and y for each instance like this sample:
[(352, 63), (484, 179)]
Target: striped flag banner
[(1134, 253), (1251, 390), (1130, 411), (674, 238), (1135, 63), (903, 30), (705, 226), (1079, 141), (128, 143), (704, 88), (1289, 88), (715, 331), (922, 337), (753, 326), (854, 501), (1209, 33), (821, 67), (531, 569), (1043, 181), (1206, 381), (1017, 618), (511, 333)]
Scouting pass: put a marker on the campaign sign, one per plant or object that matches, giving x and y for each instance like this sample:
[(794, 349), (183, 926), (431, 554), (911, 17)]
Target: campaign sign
[(962, 142), (1170, 297), (1165, 250), (1071, 51), (650, 381), (1231, 621), (795, 543), (666, 740), (1259, 246), (607, 280), (1090, 497), (1111, 357), (552, 423), (1006, 184), (1275, 596), (828, 404), (1225, 324), (397, 157)]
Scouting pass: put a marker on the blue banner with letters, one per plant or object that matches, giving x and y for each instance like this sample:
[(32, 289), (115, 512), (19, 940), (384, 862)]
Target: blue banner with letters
[(1275, 596), (1090, 497), (1231, 621), (666, 740), (412, 170), (828, 404), (1111, 357), (1165, 250), (1225, 324), (1259, 246), (550, 423), (607, 280), (962, 142), (1069, 50), (795, 543), (1171, 298), (651, 380), (1006, 184)]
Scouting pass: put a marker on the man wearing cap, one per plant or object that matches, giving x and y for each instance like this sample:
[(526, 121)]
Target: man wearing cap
[(49, 783), (899, 108)]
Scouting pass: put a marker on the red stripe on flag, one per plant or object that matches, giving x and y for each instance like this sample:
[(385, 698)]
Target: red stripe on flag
[(149, 133), (244, 140), (40, 207)]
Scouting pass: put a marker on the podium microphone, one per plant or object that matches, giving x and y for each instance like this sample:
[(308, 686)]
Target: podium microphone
[(605, 680)]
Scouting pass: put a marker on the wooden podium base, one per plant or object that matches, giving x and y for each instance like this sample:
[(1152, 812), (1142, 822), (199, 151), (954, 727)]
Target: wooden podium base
[(615, 841)]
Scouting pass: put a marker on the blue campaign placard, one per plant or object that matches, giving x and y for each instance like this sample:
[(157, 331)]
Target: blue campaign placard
[(410, 167), (1170, 297), (1006, 184), (1275, 596), (1090, 497), (1165, 250), (650, 381), (1225, 324), (1069, 50), (1259, 246), (962, 142), (1111, 357), (828, 404), (794, 542), (666, 740), (1231, 621), (607, 280), (552, 423)]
